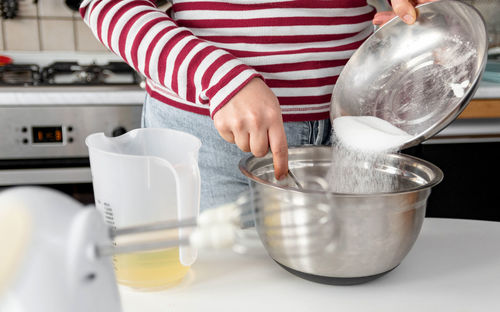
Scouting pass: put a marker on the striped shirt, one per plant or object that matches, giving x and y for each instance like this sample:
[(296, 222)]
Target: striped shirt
[(199, 53)]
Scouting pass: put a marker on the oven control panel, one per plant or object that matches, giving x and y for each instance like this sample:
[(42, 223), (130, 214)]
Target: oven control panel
[(34, 132), (47, 134)]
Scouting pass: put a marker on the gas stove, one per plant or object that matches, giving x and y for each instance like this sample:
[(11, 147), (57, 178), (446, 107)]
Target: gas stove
[(49, 104), (69, 73), (19, 74), (65, 72)]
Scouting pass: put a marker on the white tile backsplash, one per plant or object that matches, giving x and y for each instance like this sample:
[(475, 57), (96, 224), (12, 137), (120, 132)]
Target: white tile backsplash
[(53, 8), (21, 34), (57, 35), (85, 39), (48, 25), (1, 37)]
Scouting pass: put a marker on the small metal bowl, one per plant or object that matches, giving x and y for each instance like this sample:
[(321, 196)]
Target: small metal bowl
[(418, 77), (338, 238)]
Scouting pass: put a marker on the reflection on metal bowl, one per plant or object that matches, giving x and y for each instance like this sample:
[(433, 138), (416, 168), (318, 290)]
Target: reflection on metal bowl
[(338, 238)]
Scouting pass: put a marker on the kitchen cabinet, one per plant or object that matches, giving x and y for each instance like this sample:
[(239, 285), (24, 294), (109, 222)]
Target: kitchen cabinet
[(454, 266), (482, 108), (485, 102)]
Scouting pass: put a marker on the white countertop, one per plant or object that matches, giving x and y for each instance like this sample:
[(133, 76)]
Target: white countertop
[(71, 95), (454, 266)]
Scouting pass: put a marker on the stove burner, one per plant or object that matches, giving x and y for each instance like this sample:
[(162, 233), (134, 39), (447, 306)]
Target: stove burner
[(69, 73), (72, 73), (20, 74)]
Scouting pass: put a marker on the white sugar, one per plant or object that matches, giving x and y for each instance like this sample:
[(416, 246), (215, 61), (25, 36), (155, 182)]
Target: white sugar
[(368, 134), (360, 146), (353, 172)]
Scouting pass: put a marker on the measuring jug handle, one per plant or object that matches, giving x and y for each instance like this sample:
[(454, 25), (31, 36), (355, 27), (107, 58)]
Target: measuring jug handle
[(188, 205)]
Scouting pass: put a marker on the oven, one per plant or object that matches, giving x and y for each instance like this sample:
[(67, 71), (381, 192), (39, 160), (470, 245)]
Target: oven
[(47, 109)]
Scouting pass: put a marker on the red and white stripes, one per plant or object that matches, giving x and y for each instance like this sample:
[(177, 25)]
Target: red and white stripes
[(200, 53)]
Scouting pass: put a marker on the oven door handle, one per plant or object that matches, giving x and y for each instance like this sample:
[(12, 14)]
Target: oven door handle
[(11, 177)]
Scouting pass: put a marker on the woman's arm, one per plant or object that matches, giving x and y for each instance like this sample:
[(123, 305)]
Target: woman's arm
[(151, 42)]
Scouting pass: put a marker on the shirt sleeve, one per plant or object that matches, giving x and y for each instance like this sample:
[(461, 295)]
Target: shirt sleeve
[(152, 43)]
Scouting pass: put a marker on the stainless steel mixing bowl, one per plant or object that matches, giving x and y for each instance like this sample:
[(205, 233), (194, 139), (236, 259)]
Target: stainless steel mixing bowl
[(338, 238), (418, 77)]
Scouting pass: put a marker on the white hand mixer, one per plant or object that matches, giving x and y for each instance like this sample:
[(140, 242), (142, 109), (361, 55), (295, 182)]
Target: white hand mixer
[(56, 251)]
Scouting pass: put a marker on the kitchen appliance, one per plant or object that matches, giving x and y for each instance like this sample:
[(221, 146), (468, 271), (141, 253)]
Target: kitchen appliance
[(145, 176), (49, 104), (338, 238), (56, 252), (19, 74), (57, 269), (418, 77)]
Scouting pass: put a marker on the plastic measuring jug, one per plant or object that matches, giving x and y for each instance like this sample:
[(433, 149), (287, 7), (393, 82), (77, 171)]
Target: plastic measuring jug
[(145, 176)]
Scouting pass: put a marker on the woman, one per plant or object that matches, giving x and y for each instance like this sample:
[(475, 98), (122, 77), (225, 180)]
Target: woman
[(256, 73)]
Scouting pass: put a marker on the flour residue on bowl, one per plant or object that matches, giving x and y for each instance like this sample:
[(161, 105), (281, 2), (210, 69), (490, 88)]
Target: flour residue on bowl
[(360, 144), (418, 92)]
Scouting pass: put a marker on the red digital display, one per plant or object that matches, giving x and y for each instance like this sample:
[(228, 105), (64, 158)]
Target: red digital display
[(47, 134)]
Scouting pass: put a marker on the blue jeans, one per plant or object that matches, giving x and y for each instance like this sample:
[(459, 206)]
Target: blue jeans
[(221, 180)]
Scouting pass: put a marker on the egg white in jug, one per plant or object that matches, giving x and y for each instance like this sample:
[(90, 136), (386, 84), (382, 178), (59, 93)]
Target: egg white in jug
[(150, 270)]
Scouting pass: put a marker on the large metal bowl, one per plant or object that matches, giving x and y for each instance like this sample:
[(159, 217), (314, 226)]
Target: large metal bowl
[(418, 77), (338, 238)]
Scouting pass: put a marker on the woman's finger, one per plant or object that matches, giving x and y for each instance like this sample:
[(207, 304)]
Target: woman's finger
[(405, 10), (279, 148), (227, 135), (259, 144), (242, 140), (383, 17)]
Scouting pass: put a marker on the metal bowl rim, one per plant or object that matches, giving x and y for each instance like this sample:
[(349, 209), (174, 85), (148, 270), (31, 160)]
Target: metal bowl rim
[(436, 180)]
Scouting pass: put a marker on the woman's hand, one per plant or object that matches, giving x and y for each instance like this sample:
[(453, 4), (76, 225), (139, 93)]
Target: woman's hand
[(402, 8), (252, 119)]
